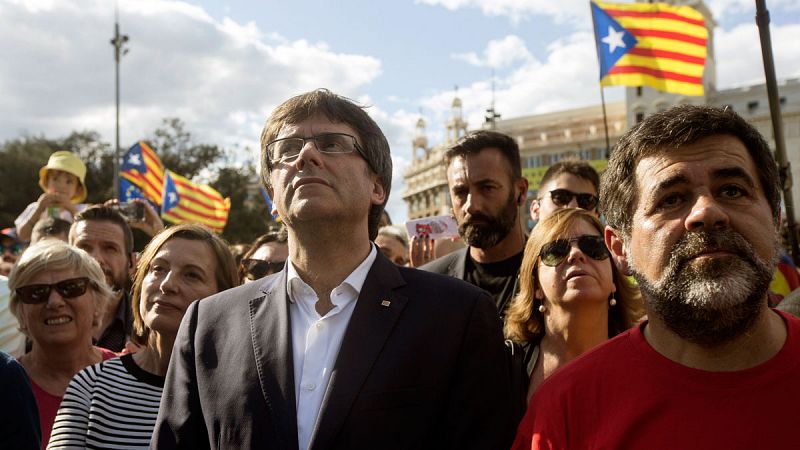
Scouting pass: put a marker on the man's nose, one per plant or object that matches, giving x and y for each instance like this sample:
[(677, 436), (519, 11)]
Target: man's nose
[(706, 214), (309, 154)]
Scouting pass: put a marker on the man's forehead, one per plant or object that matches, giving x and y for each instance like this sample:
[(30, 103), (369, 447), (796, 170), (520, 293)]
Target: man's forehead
[(97, 230), (314, 125), (569, 182)]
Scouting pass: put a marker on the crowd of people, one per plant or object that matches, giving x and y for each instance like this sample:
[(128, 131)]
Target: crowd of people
[(637, 313)]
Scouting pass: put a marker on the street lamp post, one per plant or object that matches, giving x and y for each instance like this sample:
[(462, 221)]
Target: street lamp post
[(118, 42)]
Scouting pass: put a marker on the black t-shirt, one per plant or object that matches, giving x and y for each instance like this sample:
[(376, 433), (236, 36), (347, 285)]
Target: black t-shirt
[(498, 278)]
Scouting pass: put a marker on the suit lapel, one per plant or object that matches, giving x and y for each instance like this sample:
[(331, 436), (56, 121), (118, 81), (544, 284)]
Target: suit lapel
[(374, 317), (458, 268), (270, 329)]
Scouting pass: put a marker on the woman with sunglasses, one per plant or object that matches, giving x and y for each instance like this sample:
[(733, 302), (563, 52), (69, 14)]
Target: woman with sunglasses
[(117, 401), (58, 294), (572, 298), (267, 255)]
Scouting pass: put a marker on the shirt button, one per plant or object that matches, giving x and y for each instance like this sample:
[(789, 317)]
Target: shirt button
[(319, 325), (309, 387)]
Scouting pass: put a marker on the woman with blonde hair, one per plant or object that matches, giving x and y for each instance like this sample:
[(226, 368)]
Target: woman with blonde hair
[(572, 298), (117, 401), (58, 294)]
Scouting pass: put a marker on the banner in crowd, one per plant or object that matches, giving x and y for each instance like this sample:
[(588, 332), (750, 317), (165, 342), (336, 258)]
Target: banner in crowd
[(185, 201), (142, 168), (651, 44)]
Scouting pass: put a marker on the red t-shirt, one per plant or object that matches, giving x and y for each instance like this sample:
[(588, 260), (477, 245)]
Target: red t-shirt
[(625, 395), (48, 403)]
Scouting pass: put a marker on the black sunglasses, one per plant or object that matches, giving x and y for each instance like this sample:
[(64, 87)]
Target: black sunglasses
[(554, 253), (563, 197), (39, 293), (258, 268)]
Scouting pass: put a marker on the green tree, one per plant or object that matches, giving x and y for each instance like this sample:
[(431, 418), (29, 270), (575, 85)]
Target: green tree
[(21, 159), (248, 217), (178, 152)]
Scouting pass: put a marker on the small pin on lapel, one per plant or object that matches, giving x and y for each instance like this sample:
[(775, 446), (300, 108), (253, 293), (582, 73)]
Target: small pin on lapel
[(386, 303)]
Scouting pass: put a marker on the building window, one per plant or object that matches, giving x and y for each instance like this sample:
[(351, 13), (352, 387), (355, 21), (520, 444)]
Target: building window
[(752, 106), (592, 130), (638, 91), (639, 116), (543, 136), (567, 133)]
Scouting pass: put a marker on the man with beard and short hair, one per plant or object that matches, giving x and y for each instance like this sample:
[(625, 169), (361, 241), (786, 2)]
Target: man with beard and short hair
[(106, 235), (487, 188), (692, 200)]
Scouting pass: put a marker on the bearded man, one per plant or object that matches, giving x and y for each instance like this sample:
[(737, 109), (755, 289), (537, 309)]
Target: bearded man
[(692, 200), (487, 188)]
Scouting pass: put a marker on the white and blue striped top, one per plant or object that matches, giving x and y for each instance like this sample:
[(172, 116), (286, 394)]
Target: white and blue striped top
[(110, 405)]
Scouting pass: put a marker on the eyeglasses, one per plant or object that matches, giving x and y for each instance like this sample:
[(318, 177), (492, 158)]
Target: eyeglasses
[(39, 293), (258, 268), (287, 149), (563, 197), (554, 253)]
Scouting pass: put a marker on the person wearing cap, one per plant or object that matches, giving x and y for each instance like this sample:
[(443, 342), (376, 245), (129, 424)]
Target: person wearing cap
[(63, 183)]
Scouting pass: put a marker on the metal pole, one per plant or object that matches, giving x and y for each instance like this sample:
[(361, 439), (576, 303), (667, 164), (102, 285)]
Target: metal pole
[(784, 168), (118, 42), (605, 121)]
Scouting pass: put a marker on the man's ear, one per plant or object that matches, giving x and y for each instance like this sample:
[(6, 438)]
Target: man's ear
[(132, 261), (535, 210), (522, 190), (378, 192), (615, 244)]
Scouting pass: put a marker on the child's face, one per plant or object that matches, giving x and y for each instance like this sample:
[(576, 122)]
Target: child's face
[(62, 182)]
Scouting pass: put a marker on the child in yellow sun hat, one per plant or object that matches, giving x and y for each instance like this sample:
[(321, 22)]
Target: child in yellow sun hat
[(63, 183)]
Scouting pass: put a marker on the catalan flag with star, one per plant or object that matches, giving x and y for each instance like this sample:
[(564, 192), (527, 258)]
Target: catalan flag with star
[(651, 44), (142, 168), (187, 202)]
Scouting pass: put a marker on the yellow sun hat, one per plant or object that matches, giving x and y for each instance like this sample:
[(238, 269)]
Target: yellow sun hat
[(66, 162)]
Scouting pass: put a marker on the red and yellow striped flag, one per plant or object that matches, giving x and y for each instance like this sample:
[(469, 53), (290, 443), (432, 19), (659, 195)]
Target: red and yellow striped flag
[(142, 167), (651, 44), (188, 202)]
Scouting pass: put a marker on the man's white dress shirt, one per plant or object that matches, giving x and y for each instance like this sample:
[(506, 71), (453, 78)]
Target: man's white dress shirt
[(316, 340)]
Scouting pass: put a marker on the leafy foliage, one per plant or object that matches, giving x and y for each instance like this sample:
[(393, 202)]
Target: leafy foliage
[(21, 159)]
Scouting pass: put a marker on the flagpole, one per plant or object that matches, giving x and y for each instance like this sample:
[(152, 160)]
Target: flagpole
[(602, 93), (118, 42), (762, 20)]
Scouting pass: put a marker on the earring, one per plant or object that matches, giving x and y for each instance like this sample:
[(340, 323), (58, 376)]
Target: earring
[(611, 300), (542, 309)]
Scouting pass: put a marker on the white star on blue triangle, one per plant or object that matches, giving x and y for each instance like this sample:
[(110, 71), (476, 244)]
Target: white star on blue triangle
[(613, 40)]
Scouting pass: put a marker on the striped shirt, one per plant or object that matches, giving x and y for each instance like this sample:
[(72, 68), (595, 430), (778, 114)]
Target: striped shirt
[(111, 405)]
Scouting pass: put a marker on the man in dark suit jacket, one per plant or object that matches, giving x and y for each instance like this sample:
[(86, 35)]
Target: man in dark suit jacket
[(342, 349), (487, 189)]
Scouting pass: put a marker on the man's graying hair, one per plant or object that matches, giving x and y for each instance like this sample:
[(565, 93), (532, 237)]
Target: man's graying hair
[(337, 109), (665, 132)]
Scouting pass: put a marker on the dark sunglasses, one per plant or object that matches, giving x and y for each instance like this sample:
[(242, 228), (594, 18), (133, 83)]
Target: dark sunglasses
[(258, 268), (554, 253), (39, 293), (563, 197)]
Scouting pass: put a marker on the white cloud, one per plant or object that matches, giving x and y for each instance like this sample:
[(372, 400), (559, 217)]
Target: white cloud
[(499, 53), (222, 78), (738, 54), (517, 10)]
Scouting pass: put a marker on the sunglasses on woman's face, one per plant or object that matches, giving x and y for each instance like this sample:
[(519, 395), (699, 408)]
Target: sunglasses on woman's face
[(39, 293), (554, 253), (258, 268)]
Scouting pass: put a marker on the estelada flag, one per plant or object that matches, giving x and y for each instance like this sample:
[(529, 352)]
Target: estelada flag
[(142, 167), (187, 202), (651, 44)]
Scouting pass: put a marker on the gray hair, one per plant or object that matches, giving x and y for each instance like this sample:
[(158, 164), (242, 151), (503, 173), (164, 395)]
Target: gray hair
[(54, 255)]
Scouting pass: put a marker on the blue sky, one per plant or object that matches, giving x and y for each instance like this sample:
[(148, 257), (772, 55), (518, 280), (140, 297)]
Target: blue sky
[(222, 66)]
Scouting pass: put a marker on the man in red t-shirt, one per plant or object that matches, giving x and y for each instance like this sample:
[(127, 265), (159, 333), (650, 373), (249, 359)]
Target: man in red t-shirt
[(692, 200)]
